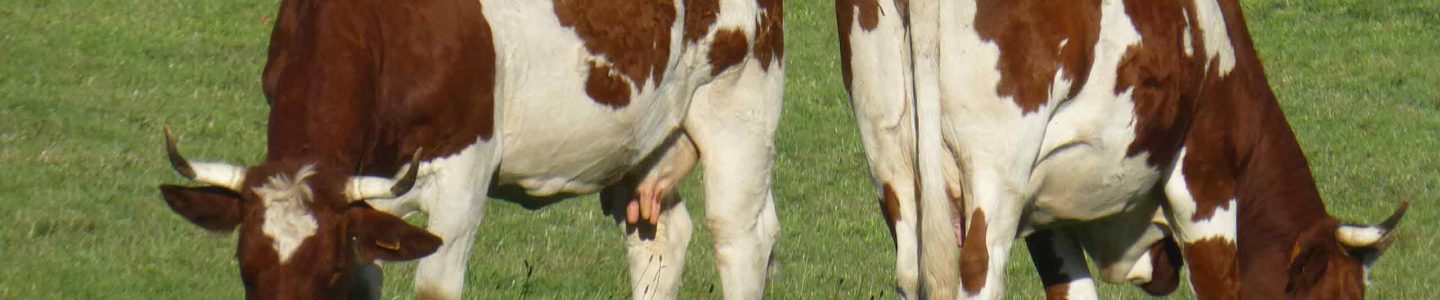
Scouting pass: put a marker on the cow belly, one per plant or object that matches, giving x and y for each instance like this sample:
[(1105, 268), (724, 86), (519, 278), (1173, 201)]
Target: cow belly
[(574, 117), (1085, 171), (563, 144), (560, 157), (1083, 183)]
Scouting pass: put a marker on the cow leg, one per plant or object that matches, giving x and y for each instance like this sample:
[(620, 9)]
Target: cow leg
[(656, 251), (1119, 244), (1164, 261), (454, 196), (991, 225), (897, 205), (1206, 227), (876, 61), (1061, 265), (656, 245), (733, 121)]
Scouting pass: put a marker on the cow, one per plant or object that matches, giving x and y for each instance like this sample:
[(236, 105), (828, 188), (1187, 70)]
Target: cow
[(380, 109), (1130, 130)]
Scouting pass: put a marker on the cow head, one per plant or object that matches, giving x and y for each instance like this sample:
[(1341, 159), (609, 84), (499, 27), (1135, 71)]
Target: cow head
[(305, 232), (1332, 261)]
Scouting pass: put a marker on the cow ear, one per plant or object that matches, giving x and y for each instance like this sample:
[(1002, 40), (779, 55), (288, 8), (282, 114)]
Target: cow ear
[(212, 208), (379, 235), (1310, 258), (1308, 263)]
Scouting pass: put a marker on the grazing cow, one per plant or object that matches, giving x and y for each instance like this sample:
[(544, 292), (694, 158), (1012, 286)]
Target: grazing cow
[(527, 101), (1073, 124)]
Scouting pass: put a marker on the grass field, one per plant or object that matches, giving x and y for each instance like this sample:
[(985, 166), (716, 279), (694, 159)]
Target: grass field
[(85, 86)]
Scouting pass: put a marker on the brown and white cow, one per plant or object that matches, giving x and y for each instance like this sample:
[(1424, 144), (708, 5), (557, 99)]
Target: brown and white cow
[(528, 101), (1074, 123)]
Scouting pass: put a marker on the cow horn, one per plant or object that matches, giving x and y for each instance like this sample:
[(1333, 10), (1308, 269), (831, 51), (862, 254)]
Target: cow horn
[(370, 187), (1394, 218), (224, 175), (1370, 236)]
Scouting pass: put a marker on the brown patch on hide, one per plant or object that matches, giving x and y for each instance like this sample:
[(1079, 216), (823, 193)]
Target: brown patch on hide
[(770, 33), (699, 16), (974, 255), (728, 50), (1028, 33), (1216, 258), (633, 37), (890, 208)]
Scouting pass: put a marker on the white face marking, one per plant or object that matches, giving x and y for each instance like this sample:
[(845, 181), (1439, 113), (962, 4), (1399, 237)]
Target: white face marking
[(1221, 224), (1217, 37), (287, 220)]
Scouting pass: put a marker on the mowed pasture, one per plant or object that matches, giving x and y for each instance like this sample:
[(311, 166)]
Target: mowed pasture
[(86, 86)]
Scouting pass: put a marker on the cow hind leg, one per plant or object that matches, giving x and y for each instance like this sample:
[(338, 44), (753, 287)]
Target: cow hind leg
[(991, 225), (454, 197), (897, 203), (733, 121), (1060, 262)]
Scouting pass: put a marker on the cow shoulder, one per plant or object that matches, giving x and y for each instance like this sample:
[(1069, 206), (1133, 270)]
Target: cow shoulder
[(437, 77)]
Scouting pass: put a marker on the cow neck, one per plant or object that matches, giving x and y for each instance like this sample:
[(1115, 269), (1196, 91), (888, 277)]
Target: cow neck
[(296, 137), (320, 84), (1273, 186)]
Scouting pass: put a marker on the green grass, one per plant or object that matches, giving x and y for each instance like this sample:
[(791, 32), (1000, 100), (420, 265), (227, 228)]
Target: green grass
[(85, 86)]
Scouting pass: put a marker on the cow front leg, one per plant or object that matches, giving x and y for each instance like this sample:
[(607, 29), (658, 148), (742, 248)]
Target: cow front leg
[(1164, 262), (733, 121), (1060, 262), (454, 197), (1120, 244), (1205, 225)]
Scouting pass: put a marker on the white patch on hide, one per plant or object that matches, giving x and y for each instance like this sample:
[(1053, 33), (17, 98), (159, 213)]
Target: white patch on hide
[(1221, 224), (1216, 35), (1188, 41)]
